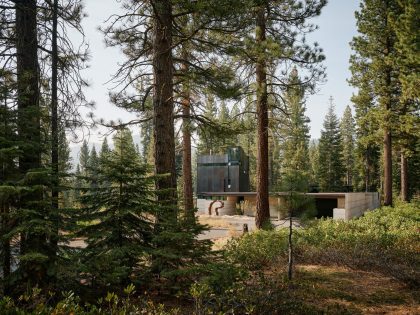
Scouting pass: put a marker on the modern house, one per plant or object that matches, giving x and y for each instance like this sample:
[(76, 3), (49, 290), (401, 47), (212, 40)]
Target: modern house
[(223, 189)]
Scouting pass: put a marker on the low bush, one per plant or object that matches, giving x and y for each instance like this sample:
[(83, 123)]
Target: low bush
[(255, 250), (36, 303), (385, 240)]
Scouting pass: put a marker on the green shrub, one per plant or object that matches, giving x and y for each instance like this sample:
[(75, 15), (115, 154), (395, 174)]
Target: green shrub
[(385, 240), (258, 249), (34, 303)]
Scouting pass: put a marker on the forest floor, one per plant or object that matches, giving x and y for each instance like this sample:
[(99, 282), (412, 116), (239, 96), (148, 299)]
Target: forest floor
[(332, 290), (329, 289), (340, 290)]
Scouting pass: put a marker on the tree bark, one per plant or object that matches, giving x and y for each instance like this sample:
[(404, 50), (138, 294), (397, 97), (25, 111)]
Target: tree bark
[(29, 126), (262, 205), (54, 128), (386, 100), (186, 156), (387, 168), (28, 90), (404, 178), (290, 248), (163, 105)]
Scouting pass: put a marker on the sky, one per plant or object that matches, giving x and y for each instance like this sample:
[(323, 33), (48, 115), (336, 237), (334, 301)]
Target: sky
[(336, 29)]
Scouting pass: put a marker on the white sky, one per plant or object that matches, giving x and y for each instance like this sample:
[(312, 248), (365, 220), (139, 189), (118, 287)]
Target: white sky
[(337, 26)]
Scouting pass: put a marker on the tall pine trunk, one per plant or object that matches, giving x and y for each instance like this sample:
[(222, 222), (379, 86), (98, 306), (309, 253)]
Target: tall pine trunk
[(186, 153), (29, 125), (5, 221), (163, 104), (54, 127), (404, 178), (387, 168), (386, 103), (262, 206)]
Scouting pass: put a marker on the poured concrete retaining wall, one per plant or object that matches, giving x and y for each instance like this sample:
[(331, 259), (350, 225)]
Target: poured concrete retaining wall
[(349, 205), (250, 206), (228, 209), (358, 203)]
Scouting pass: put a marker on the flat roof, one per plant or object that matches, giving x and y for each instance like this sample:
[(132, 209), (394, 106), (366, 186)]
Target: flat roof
[(253, 193)]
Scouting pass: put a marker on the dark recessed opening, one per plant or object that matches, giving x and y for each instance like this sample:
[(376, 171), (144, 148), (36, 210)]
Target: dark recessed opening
[(325, 207)]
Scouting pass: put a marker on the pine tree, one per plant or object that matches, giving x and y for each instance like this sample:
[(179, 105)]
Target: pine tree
[(29, 32), (92, 167), (406, 27), (331, 170), (294, 130), (347, 129), (146, 142), (9, 176), (314, 165), (84, 158), (34, 253), (367, 145), (105, 150), (119, 216), (77, 185), (208, 138), (248, 141), (374, 61), (277, 29), (64, 169)]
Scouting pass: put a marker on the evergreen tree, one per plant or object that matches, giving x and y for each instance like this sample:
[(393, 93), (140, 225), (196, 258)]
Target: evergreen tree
[(30, 35), (347, 129), (277, 29), (294, 132), (119, 216), (84, 158), (64, 169), (406, 27), (367, 135), (9, 177), (331, 171), (105, 150), (207, 135), (146, 142), (248, 141), (77, 185), (314, 165), (375, 63), (92, 167)]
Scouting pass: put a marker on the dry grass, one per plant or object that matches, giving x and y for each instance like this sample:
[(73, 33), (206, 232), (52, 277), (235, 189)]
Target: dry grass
[(214, 222)]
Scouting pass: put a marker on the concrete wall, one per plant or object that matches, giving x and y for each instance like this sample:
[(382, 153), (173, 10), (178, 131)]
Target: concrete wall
[(250, 206), (228, 209), (353, 205), (358, 203)]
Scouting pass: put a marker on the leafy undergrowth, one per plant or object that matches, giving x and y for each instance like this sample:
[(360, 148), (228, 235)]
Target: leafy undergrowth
[(314, 290), (363, 266), (386, 240)]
